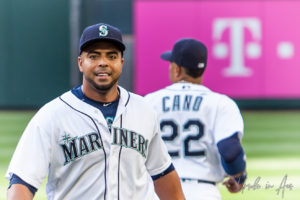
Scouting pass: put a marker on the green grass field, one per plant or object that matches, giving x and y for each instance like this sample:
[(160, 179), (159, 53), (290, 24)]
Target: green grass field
[(271, 143)]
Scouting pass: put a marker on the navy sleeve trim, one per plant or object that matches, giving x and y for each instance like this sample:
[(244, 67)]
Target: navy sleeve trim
[(236, 166), (17, 180), (232, 155), (168, 170), (230, 148)]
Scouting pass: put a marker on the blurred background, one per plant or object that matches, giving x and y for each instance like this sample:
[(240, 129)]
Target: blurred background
[(254, 58)]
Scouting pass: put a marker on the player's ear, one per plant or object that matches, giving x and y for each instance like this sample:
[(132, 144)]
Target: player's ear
[(122, 63), (79, 61), (178, 71)]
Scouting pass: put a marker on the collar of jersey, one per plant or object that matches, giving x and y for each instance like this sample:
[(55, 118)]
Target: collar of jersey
[(77, 91), (84, 107), (178, 85)]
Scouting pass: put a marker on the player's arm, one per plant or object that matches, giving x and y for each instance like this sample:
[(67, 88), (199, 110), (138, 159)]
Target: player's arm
[(19, 189), (167, 185), (19, 192), (234, 162)]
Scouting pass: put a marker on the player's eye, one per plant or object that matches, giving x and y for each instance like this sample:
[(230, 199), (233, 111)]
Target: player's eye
[(112, 56), (93, 57)]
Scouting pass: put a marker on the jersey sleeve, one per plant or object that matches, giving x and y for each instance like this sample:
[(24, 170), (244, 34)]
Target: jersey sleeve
[(30, 160), (228, 119), (17, 180), (158, 159)]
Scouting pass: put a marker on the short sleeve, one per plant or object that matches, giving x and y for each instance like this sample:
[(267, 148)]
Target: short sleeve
[(158, 159), (228, 119), (30, 160)]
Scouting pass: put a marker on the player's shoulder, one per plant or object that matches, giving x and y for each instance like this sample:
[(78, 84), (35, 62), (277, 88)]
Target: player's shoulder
[(139, 104), (48, 112), (138, 100), (128, 97), (216, 95), (215, 99), (52, 106), (225, 99), (225, 102), (156, 93), (57, 102)]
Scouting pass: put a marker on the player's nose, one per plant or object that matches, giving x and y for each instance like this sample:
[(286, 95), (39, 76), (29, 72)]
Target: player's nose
[(102, 62)]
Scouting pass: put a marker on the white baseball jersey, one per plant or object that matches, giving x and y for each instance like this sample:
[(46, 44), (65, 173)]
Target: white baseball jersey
[(70, 141), (193, 119)]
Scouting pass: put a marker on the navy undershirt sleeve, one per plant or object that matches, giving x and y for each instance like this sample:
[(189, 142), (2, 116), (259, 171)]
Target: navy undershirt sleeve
[(232, 155), (17, 180), (168, 170)]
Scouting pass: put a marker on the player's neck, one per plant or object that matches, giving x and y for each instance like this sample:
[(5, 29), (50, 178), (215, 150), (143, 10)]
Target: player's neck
[(101, 96), (192, 80)]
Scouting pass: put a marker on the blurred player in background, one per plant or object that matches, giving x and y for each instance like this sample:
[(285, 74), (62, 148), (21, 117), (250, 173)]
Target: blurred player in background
[(97, 141), (201, 128)]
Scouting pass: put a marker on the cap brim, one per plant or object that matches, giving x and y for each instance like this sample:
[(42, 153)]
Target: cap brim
[(118, 44), (166, 55)]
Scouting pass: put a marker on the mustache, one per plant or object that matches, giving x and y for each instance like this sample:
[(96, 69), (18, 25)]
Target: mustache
[(103, 71)]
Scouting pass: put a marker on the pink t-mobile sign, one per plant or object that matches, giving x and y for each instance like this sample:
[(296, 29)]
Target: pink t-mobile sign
[(252, 45)]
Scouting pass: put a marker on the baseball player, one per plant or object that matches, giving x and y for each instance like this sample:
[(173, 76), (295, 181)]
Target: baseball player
[(97, 141), (201, 128)]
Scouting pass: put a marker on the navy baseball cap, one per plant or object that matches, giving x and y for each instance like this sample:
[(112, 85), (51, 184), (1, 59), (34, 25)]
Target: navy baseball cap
[(98, 32), (188, 53)]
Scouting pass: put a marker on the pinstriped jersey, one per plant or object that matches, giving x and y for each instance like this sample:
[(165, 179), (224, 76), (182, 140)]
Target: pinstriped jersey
[(69, 141), (193, 119)]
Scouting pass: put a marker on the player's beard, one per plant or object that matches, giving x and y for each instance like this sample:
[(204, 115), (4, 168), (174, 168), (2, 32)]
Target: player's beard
[(102, 88)]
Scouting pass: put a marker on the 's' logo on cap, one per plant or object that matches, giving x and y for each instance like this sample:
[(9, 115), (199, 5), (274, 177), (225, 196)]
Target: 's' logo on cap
[(103, 31)]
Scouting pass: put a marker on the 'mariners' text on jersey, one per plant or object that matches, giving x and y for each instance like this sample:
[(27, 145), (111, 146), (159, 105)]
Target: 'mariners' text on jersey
[(77, 147), (129, 139)]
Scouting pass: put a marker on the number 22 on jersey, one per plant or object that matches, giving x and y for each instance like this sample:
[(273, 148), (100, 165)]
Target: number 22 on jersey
[(186, 136)]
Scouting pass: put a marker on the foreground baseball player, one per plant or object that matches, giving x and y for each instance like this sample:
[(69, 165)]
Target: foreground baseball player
[(201, 128), (97, 141)]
